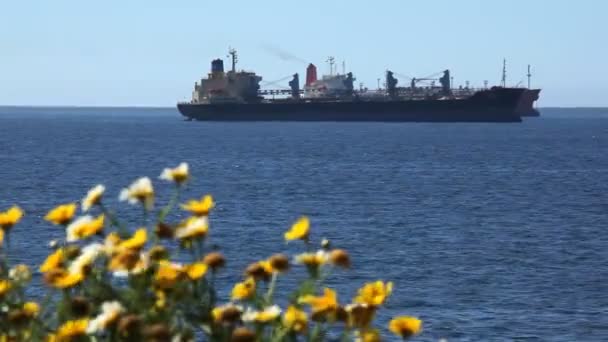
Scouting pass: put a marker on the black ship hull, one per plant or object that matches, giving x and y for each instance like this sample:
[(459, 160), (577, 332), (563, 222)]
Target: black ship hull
[(495, 105), (526, 104)]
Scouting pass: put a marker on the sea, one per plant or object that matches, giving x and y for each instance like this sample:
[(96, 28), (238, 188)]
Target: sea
[(490, 232)]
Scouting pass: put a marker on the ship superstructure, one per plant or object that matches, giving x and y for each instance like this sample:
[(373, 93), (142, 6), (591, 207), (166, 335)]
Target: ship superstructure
[(227, 87)]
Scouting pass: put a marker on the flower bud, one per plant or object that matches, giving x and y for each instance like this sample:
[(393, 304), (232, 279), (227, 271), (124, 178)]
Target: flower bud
[(230, 315), (164, 231), (129, 326), (214, 260), (242, 334), (279, 262), (158, 253), (72, 251), (157, 332), (340, 257), (18, 317), (80, 306), (257, 271)]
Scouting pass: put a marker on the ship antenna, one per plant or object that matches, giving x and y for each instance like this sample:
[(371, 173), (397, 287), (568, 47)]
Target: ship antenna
[(529, 76), (331, 60), (343, 67), (234, 58), (504, 73)]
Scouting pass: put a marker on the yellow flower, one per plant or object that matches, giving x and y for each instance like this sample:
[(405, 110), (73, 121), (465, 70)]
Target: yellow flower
[(374, 293), (313, 259), (10, 217), (368, 335), (71, 330), (140, 191), (167, 274), (405, 326), (124, 261), (20, 273), (111, 243), (53, 261), (83, 227), (200, 208), (86, 258), (110, 311), (194, 227), (178, 175), (31, 309), (136, 242), (5, 286), (62, 214), (62, 279), (244, 290), (93, 197), (299, 230), (328, 303), (269, 314), (196, 270), (128, 261), (1, 237), (295, 319)]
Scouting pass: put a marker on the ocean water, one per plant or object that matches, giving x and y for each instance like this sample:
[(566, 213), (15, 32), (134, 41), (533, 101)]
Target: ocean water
[(489, 231)]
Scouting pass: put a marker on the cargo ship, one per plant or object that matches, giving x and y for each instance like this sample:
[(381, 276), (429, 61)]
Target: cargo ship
[(236, 96)]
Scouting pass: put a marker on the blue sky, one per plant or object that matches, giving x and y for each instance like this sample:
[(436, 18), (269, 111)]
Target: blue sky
[(150, 52)]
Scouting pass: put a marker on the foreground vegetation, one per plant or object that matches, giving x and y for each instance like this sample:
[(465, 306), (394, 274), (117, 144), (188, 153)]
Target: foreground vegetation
[(108, 282)]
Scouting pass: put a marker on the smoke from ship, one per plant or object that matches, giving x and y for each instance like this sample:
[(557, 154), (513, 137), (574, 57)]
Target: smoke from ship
[(282, 54)]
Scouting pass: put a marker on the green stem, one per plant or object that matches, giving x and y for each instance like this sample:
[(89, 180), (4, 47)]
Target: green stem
[(200, 249), (317, 333), (145, 215), (172, 202), (271, 287), (7, 256), (192, 250), (113, 220), (308, 245), (345, 337)]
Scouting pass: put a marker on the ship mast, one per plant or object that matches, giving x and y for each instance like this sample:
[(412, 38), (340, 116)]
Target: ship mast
[(331, 60), (529, 76), (234, 57), (504, 73)]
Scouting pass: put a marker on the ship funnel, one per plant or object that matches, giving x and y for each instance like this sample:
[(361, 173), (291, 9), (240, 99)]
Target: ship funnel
[(311, 74), (294, 84), (217, 65), (445, 81)]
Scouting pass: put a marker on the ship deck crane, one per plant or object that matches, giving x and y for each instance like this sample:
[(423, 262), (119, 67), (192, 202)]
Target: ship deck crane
[(277, 83), (415, 80)]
